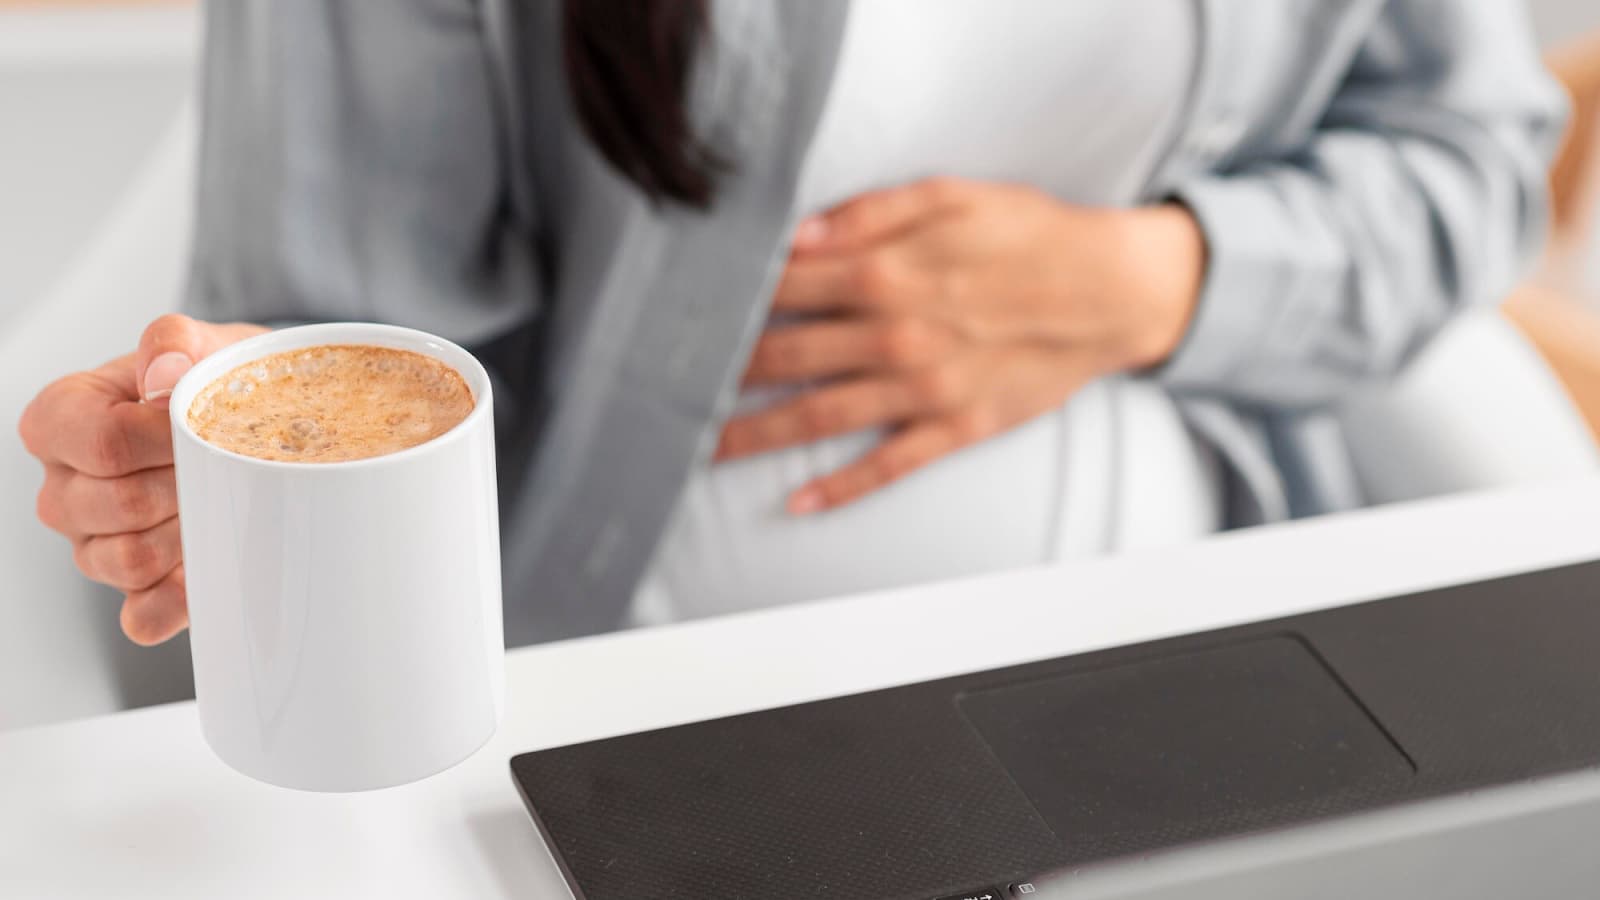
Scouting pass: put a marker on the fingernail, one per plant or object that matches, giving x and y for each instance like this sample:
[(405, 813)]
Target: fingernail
[(811, 231), (163, 374), (805, 502)]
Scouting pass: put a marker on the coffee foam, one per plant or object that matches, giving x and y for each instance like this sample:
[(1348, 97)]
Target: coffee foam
[(331, 403)]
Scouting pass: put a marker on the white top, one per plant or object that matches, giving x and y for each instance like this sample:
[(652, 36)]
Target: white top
[(134, 806), (1077, 99)]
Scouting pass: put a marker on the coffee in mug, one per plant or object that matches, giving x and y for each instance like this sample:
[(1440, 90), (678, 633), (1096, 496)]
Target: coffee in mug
[(331, 403)]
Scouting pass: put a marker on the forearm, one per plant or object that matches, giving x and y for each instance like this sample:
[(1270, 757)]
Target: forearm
[(1420, 192)]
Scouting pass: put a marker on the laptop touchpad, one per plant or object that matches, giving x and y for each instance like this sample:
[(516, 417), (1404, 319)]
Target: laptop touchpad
[(1251, 734)]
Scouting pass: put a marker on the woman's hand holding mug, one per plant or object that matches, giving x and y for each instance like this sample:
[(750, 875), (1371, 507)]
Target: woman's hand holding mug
[(346, 606), (106, 443)]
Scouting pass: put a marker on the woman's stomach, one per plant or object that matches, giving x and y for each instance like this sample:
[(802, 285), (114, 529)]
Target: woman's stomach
[(1113, 467)]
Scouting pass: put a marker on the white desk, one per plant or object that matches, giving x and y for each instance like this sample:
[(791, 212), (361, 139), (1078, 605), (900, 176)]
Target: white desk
[(134, 805)]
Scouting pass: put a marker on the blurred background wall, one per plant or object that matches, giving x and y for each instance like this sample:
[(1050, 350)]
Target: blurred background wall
[(95, 152), (1560, 20)]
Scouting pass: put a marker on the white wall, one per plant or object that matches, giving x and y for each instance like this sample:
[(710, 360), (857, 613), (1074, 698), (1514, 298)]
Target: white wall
[(1561, 20), (92, 227), (84, 97)]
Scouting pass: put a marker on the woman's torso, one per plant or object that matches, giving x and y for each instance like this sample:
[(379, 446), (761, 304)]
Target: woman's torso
[(1078, 100)]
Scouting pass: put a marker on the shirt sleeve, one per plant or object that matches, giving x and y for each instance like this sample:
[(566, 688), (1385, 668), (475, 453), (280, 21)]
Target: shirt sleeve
[(353, 166), (1421, 192)]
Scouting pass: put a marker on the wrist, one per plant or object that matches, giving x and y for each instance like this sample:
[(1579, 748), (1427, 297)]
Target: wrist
[(1163, 259)]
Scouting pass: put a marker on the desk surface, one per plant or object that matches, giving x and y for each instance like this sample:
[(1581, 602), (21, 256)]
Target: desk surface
[(134, 805)]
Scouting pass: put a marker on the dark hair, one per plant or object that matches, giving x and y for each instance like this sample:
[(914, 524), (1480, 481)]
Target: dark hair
[(628, 65)]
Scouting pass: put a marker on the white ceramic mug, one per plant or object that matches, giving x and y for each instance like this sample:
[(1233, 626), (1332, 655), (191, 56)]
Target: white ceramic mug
[(344, 616)]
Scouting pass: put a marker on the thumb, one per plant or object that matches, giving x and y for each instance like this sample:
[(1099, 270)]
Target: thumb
[(171, 345)]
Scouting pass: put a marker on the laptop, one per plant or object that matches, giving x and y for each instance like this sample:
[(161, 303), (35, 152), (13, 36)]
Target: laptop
[(1095, 771)]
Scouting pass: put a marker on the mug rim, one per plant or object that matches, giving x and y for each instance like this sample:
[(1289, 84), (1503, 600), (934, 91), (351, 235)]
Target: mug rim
[(297, 337)]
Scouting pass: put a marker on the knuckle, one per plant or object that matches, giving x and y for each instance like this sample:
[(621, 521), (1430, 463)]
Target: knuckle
[(137, 559), (82, 557), (941, 189), (876, 280), (843, 486), (151, 429), (948, 285), (887, 465), (834, 492), (907, 343), (761, 356), (735, 439), (970, 427), (47, 507), (854, 219), (939, 387), (130, 499), (779, 354), (109, 451), (820, 417), (30, 425)]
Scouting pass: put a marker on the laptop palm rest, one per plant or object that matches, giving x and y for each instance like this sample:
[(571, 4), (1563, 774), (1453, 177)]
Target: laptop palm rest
[(929, 789)]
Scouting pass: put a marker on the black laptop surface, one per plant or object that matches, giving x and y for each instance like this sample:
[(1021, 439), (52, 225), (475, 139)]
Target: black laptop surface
[(921, 791)]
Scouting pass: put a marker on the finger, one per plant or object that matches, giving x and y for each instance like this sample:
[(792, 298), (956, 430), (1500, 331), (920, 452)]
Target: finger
[(75, 424), (819, 286), (817, 414), (811, 351), (50, 507), (133, 561), (172, 344), (71, 399), (829, 349), (169, 347), (157, 613), (898, 456), (876, 216), (103, 506), (878, 282)]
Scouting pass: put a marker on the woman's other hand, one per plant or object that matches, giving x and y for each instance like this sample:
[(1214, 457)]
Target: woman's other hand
[(106, 445), (951, 310)]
